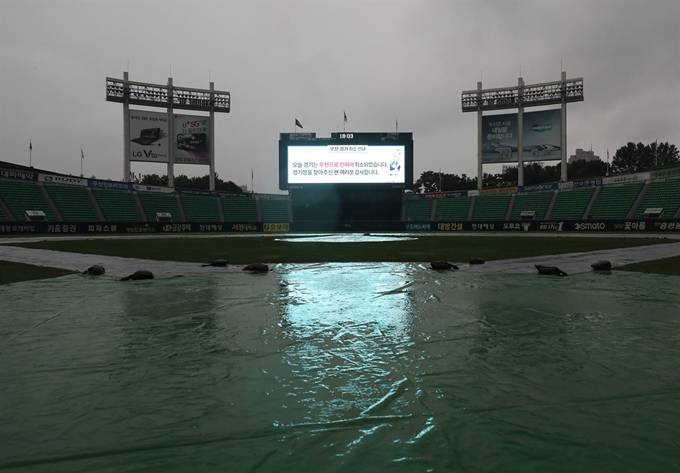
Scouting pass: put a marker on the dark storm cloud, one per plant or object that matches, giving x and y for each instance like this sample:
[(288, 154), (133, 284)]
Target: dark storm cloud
[(310, 60)]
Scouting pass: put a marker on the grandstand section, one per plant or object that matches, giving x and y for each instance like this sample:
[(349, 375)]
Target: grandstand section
[(20, 196), (661, 194), (491, 207), (453, 209), (572, 203), (274, 210), (419, 209), (615, 201), (535, 201), (117, 206), (153, 203), (199, 208), (239, 209), (73, 202)]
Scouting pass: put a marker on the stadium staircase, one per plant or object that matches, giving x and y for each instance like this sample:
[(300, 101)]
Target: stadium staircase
[(571, 204), (453, 209), (239, 209), (663, 194), (72, 202), (5, 214), (20, 196), (491, 207), (615, 201), (117, 206), (199, 208), (536, 201)]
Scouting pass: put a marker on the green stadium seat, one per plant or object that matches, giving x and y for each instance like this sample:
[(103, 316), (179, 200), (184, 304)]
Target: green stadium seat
[(419, 209), (571, 204), (491, 207), (200, 208), (239, 209), (20, 196), (664, 194), (117, 205), (536, 201), (274, 210), (73, 202), (155, 202), (453, 209), (615, 201)]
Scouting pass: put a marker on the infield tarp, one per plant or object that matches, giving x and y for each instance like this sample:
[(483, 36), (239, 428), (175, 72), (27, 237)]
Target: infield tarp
[(341, 367)]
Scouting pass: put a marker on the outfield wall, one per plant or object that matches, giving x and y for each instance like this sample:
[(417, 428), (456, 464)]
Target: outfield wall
[(534, 226)]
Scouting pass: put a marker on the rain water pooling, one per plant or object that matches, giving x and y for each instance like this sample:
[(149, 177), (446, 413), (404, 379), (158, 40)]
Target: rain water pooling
[(342, 367)]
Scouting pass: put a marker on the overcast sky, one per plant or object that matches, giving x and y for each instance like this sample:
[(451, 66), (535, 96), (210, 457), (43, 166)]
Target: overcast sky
[(310, 60)]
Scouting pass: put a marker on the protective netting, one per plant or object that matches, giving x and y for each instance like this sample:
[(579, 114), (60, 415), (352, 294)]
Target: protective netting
[(341, 367)]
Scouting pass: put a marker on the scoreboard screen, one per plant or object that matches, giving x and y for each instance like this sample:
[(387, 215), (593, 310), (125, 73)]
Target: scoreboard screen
[(346, 158)]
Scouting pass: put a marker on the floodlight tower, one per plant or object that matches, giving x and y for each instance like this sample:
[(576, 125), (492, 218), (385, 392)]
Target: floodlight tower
[(169, 97), (549, 93)]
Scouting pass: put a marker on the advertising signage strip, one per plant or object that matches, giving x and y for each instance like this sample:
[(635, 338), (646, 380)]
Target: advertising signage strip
[(69, 180), (665, 173), (158, 189), (538, 187), (19, 175), (578, 226), (346, 164), (123, 186), (625, 178)]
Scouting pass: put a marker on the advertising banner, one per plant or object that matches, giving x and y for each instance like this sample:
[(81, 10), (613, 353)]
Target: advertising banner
[(150, 141), (21, 175), (499, 190), (70, 180), (148, 136), (538, 187), (637, 177), (123, 186), (541, 137), (665, 173), (192, 139), (159, 189), (499, 138)]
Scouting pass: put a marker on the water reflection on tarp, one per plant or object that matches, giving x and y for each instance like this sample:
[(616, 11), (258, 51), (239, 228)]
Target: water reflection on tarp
[(349, 325)]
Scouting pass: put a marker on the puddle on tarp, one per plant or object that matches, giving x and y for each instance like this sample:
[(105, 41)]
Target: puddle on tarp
[(345, 238), (338, 367)]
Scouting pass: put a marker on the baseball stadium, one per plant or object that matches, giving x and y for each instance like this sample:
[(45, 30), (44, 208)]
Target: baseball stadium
[(346, 322)]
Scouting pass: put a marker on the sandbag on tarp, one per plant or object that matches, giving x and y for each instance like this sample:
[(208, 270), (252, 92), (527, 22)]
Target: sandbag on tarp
[(138, 275), (219, 263), (442, 265), (257, 268), (601, 266), (96, 270), (550, 270), (477, 261)]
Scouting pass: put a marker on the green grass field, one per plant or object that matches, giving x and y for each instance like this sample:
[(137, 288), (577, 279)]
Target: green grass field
[(17, 272), (245, 250), (668, 266)]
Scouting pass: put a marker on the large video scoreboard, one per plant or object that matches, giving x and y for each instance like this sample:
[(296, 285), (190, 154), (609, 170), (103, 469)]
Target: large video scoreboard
[(345, 159)]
